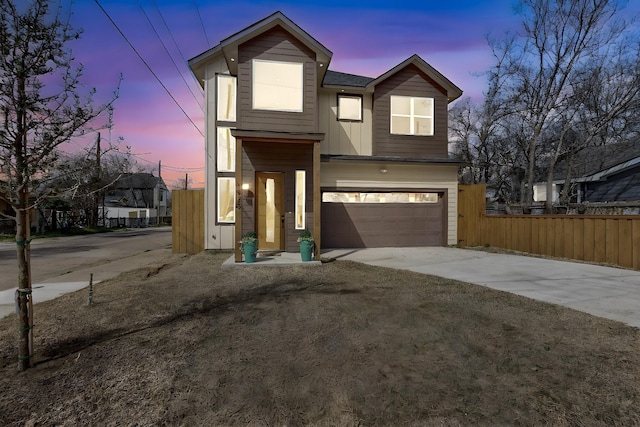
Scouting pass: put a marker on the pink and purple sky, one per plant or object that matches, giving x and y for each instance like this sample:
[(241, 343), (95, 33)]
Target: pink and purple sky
[(367, 37)]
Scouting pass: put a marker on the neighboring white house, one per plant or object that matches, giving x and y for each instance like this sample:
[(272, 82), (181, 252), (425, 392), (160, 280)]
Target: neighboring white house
[(141, 197)]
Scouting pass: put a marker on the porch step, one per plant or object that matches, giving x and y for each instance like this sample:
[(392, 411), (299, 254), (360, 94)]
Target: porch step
[(268, 253)]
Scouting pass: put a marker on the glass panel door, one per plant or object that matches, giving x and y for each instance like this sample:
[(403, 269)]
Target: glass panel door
[(270, 210)]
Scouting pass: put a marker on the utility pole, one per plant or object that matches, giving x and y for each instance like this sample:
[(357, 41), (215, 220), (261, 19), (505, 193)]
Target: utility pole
[(158, 192), (95, 210)]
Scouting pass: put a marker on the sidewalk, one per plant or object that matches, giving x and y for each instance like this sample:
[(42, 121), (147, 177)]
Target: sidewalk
[(79, 279)]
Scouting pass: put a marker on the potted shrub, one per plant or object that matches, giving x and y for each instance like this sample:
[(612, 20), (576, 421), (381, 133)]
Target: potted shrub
[(306, 245), (249, 245)]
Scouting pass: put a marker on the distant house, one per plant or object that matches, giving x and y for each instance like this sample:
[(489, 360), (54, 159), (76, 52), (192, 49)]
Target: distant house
[(605, 174), (618, 182), (141, 197), (359, 161)]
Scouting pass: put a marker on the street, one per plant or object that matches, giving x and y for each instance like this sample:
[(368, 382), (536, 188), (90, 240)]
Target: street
[(57, 256)]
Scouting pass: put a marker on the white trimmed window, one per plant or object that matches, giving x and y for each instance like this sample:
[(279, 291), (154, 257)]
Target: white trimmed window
[(300, 199), (226, 150), (357, 197), (277, 86), (226, 98), (350, 108), (411, 115), (226, 200)]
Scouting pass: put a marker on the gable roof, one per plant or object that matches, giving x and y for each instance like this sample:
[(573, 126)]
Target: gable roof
[(228, 48), (453, 92), (599, 162), (612, 170), (134, 190), (138, 180)]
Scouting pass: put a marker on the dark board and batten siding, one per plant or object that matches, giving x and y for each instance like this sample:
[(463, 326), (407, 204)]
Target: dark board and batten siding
[(279, 157), (277, 45), (409, 81)]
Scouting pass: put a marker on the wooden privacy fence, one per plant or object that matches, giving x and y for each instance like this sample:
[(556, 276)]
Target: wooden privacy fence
[(187, 229), (607, 239)]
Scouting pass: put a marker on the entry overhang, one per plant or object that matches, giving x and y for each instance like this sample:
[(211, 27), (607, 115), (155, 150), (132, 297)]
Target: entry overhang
[(249, 135)]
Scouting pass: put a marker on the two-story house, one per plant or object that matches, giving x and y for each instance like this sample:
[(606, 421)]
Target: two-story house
[(359, 161), (139, 196)]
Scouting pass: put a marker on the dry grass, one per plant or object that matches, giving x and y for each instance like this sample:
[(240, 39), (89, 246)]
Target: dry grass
[(185, 342)]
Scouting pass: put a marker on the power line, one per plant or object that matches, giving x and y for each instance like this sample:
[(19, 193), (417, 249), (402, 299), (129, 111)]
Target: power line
[(169, 55), (202, 24), (184, 60), (169, 167), (149, 67)]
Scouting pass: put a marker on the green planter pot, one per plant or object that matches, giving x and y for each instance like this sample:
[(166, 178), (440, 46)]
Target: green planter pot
[(250, 249), (306, 250)]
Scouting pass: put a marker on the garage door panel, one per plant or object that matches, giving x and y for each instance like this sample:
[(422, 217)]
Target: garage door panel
[(358, 225)]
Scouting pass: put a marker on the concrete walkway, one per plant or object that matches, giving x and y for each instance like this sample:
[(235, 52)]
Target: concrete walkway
[(608, 292)]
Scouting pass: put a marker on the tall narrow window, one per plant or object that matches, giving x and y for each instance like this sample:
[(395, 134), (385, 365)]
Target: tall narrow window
[(300, 199), (350, 108), (226, 200), (277, 86), (270, 210), (226, 98), (226, 150), (411, 116)]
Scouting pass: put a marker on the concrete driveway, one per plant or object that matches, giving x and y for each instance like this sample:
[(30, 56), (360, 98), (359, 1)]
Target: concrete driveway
[(608, 292)]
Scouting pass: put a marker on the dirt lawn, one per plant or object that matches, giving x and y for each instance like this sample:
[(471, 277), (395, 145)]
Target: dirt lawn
[(186, 342)]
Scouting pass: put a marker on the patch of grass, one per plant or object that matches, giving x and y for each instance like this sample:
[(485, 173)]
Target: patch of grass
[(187, 342)]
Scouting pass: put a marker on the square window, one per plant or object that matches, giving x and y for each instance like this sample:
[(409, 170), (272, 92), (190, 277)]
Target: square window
[(277, 86), (226, 98), (226, 154), (411, 115), (227, 200), (350, 108)]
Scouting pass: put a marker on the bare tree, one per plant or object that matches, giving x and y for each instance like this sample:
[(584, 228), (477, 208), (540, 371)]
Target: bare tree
[(478, 130), (602, 108), (559, 37), (41, 107), (81, 179)]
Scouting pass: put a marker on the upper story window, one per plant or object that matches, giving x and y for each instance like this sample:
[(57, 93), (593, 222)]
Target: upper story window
[(226, 98), (411, 115), (277, 86), (350, 108)]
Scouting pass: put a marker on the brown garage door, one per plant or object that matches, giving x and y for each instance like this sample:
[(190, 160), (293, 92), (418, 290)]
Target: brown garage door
[(374, 225)]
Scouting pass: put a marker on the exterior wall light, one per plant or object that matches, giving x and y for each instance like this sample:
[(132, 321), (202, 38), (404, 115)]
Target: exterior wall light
[(383, 170)]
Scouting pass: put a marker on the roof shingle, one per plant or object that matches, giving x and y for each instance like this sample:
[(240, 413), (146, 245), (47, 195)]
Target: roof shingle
[(335, 78)]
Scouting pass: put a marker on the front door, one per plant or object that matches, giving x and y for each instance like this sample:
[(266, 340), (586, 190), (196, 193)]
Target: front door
[(270, 210)]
